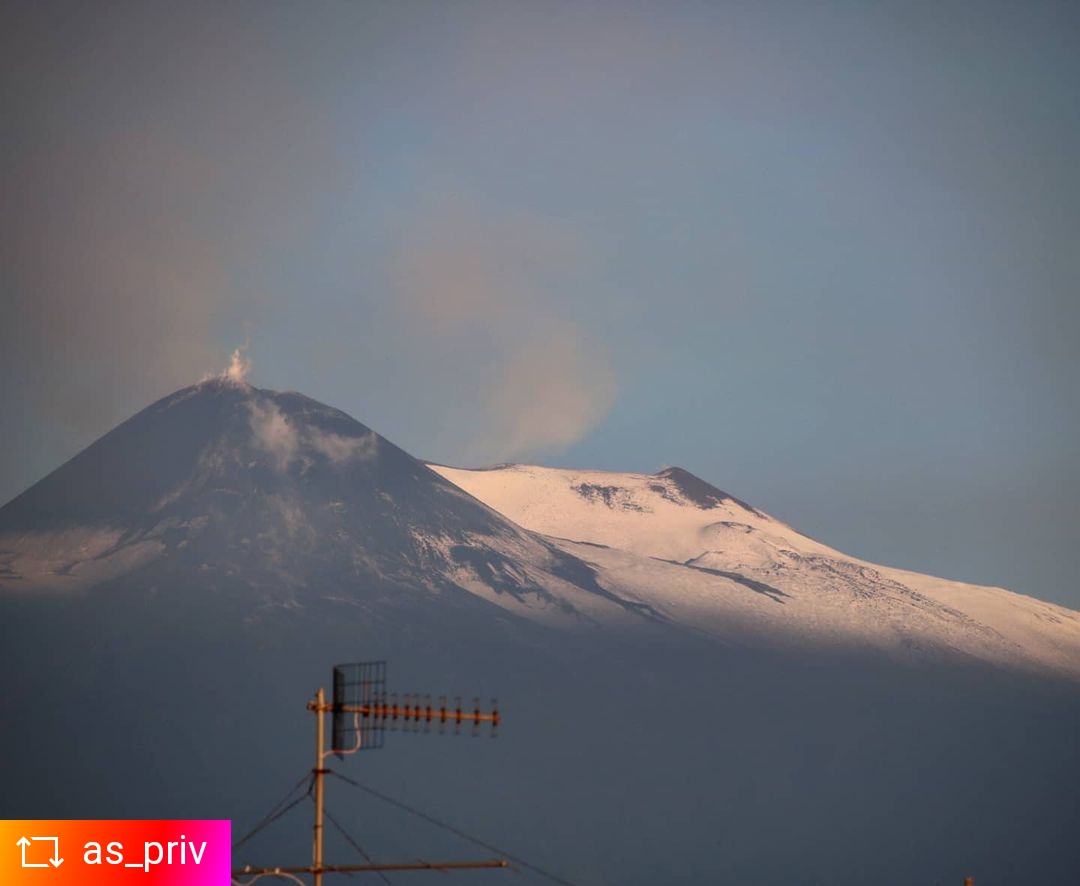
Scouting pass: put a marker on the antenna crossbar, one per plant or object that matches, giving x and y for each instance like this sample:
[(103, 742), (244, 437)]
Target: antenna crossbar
[(416, 713)]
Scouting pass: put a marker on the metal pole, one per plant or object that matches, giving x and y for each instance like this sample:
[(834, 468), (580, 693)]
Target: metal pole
[(320, 773)]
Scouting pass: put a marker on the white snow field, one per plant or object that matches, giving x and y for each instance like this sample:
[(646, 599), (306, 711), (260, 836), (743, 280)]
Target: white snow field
[(712, 563)]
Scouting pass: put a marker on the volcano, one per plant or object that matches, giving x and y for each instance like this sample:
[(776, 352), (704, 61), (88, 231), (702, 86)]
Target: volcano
[(692, 689), (276, 501)]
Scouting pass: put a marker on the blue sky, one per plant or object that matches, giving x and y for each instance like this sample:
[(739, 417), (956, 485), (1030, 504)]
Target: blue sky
[(824, 254)]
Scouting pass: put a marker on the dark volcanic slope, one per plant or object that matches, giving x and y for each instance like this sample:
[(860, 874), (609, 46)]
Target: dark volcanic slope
[(696, 490), (225, 485), (203, 447)]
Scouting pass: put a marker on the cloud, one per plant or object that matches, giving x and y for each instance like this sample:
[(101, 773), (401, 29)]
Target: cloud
[(273, 433), (340, 449), (486, 294), (284, 441), (548, 394)]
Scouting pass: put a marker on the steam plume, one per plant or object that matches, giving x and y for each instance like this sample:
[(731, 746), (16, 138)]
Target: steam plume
[(482, 287), (238, 367)]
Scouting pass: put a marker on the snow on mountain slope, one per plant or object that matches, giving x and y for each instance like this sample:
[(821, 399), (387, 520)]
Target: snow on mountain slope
[(705, 559), (274, 501)]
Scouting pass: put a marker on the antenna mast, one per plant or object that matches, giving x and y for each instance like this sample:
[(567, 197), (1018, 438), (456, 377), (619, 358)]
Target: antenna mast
[(361, 712)]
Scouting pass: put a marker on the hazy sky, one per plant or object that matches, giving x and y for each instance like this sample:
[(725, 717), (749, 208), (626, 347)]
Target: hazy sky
[(823, 254)]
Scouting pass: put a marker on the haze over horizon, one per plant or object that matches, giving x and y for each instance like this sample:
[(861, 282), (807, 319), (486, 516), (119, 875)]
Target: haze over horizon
[(822, 258)]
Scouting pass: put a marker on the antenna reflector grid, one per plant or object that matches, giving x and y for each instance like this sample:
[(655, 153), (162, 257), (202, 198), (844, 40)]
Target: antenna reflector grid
[(362, 684)]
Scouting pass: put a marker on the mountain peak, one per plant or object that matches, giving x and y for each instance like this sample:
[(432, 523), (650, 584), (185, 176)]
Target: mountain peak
[(217, 426), (222, 484), (698, 491)]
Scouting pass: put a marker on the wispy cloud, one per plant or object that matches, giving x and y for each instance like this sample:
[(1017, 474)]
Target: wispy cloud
[(550, 392), (484, 290), (340, 449), (273, 433), (286, 441)]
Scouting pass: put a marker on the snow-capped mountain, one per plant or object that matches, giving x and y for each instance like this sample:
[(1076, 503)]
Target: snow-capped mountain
[(692, 691), (279, 501), (698, 556)]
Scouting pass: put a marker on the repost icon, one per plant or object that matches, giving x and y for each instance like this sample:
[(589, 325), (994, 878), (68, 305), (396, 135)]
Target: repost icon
[(108, 852), (55, 860)]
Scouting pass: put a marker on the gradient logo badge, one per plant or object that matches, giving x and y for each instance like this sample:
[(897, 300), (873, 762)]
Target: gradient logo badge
[(103, 853)]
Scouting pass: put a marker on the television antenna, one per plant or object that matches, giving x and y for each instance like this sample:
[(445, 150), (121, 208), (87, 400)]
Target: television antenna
[(362, 712)]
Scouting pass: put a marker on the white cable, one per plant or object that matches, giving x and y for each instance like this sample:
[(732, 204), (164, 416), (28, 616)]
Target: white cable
[(359, 739)]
